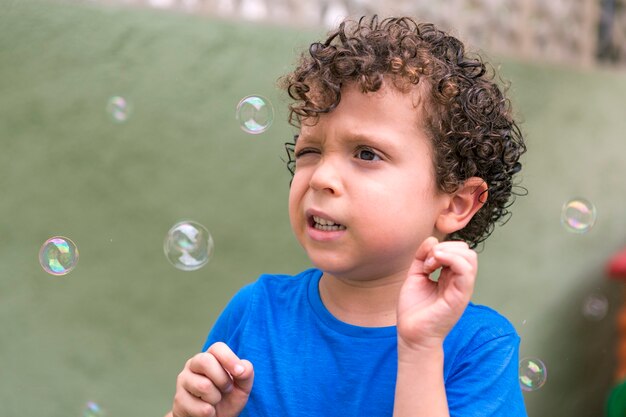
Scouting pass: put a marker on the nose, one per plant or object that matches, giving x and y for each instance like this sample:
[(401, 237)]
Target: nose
[(326, 177)]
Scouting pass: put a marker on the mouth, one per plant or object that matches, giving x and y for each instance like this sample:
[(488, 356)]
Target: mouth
[(324, 225)]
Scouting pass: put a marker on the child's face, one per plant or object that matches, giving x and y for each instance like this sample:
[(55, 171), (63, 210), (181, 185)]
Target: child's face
[(366, 167)]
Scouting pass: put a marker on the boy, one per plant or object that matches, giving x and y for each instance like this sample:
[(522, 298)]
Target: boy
[(403, 163)]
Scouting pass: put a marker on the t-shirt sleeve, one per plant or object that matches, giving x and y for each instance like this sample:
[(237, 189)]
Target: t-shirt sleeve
[(485, 382), (233, 316)]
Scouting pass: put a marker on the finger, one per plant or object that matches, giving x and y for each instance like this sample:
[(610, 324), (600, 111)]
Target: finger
[(463, 271), (241, 371), (461, 250), (456, 261), (207, 365), (186, 404), (425, 248), (417, 266), (201, 387), (451, 244)]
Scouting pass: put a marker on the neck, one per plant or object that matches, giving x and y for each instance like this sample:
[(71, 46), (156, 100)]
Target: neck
[(370, 303)]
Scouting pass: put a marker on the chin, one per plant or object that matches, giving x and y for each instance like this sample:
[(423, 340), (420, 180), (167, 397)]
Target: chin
[(330, 264)]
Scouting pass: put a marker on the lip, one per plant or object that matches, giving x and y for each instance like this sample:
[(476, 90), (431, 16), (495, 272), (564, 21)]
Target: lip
[(321, 235), (314, 212)]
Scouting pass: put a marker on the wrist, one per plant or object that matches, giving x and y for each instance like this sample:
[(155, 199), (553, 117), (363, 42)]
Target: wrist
[(420, 375), (423, 345), (431, 347)]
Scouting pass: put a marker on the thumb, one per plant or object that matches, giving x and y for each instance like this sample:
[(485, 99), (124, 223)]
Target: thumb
[(417, 266), (245, 378)]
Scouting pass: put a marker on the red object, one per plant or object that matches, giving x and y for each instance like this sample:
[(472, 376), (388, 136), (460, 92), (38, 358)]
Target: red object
[(616, 268)]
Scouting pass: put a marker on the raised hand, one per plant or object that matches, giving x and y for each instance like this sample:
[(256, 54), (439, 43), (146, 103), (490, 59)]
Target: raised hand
[(427, 310), (215, 383)]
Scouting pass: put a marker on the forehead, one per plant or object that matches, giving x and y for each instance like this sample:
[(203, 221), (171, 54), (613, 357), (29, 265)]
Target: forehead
[(386, 114)]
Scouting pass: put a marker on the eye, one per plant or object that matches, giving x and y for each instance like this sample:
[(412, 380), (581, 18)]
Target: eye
[(367, 154), (302, 152)]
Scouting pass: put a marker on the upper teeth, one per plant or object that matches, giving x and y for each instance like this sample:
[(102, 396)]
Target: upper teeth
[(322, 221), (326, 225)]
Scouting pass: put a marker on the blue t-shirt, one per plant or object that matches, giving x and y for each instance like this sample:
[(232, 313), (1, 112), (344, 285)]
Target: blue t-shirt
[(309, 363)]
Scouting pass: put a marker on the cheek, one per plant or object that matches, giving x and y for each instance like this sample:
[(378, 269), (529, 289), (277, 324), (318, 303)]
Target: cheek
[(299, 184), (404, 216), (295, 199), (291, 205)]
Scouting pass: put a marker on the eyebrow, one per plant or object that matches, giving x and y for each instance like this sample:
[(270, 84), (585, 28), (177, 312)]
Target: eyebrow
[(369, 139), (352, 137)]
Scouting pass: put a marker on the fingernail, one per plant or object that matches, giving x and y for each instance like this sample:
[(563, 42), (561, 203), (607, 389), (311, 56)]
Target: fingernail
[(228, 388), (239, 369), (429, 262)]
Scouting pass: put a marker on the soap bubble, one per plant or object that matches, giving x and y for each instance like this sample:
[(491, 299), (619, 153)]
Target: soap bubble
[(578, 215), (595, 306), (58, 255), (119, 109), (92, 410), (255, 114), (188, 246), (532, 374)]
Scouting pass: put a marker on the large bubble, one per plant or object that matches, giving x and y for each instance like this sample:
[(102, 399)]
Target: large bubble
[(58, 255), (255, 114), (188, 246)]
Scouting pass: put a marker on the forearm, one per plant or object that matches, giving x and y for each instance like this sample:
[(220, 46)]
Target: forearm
[(420, 390)]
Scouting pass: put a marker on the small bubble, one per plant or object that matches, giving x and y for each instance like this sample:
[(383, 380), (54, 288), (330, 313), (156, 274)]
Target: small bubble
[(578, 215), (92, 410), (119, 109), (188, 246), (532, 374), (58, 255), (255, 114), (595, 306)]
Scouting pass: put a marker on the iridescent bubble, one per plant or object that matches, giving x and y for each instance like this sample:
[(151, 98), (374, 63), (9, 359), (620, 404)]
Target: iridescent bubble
[(119, 109), (188, 246), (92, 410), (255, 114), (595, 306), (578, 215), (58, 255), (532, 374)]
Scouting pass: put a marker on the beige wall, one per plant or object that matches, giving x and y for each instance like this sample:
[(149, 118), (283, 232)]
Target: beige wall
[(555, 31)]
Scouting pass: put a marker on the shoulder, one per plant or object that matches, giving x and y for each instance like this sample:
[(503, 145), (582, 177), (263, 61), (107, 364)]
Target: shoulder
[(482, 317), (479, 325), (286, 281), (482, 365), (275, 286), (269, 295)]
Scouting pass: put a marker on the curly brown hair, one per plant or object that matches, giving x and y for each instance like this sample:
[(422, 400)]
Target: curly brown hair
[(468, 117)]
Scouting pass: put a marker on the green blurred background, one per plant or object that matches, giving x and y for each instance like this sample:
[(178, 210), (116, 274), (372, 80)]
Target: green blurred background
[(118, 329)]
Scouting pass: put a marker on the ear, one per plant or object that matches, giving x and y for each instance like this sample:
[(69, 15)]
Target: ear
[(462, 205)]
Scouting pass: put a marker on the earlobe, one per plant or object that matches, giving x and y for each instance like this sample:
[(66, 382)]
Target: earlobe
[(462, 205)]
